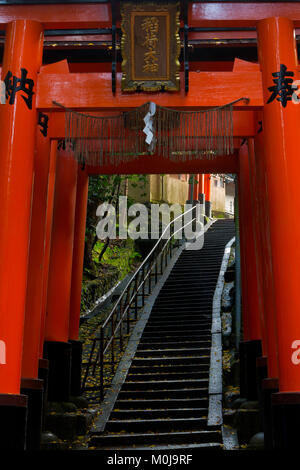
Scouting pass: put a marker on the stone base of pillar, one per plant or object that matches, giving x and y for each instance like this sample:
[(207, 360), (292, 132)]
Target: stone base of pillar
[(43, 375), (249, 352), (76, 368), (286, 419), (59, 380), (34, 390), (13, 417), (269, 386), (208, 208), (194, 201), (261, 372)]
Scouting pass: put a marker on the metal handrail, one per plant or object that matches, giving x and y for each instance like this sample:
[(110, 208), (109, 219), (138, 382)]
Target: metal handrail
[(111, 330)]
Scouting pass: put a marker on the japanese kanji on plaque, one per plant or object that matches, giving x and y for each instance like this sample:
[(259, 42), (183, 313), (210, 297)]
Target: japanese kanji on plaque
[(150, 46)]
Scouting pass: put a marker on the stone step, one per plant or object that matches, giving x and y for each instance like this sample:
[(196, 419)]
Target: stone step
[(173, 318), (159, 403), (157, 425), (183, 448), (196, 437), (185, 333), (178, 360), (158, 413), (181, 327), (152, 369), (176, 393), (165, 376), (172, 352), (146, 344), (165, 384)]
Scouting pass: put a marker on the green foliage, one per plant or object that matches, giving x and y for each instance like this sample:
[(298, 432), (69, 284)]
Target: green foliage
[(104, 188), (122, 255), (106, 261)]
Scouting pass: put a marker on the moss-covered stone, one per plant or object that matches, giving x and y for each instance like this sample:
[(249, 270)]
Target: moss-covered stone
[(93, 289)]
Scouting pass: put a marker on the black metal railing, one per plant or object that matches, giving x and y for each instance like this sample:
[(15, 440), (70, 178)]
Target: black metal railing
[(112, 336)]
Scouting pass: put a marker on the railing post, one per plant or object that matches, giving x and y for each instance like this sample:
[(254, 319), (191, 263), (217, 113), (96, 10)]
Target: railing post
[(149, 284), (101, 364), (136, 299), (143, 289), (112, 344)]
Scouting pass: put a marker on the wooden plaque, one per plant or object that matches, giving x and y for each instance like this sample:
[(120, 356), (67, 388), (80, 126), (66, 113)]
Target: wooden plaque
[(150, 46)]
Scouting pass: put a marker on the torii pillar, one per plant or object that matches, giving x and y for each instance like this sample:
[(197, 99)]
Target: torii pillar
[(32, 386), (267, 366), (201, 188), (57, 348), (207, 191), (77, 269), (281, 121), (18, 119), (251, 346)]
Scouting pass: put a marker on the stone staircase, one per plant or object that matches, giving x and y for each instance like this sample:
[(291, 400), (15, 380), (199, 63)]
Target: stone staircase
[(163, 403)]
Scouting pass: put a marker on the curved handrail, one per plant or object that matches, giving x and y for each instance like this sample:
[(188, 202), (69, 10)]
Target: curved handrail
[(143, 264), (117, 317)]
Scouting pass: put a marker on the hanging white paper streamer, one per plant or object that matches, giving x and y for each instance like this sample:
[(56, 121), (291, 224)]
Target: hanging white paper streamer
[(149, 127)]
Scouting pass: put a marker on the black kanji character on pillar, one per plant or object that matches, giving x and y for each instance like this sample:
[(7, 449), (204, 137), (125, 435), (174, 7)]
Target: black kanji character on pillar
[(282, 89), (14, 84), (43, 122)]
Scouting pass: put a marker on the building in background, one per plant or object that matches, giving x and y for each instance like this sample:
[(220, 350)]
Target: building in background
[(175, 189), (168, 188), (222, 194)]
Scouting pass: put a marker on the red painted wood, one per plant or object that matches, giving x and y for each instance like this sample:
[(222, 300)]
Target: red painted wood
[(250, 287), (59, 16), (200, 14), (60, 267), (78, 252), (244, 14), (156, 164), (34, 312), (23, 48), (276, 45), (92, 91), (207, 186), (48, 233), (34, 295), (264, 244)]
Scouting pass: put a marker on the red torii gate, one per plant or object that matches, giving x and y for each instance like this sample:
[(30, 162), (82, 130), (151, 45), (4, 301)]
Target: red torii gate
[(270, 289)]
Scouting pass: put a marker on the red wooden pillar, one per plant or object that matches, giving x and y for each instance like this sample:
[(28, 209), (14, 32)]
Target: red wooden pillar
[(57, 349), (207, 191), (18, 119), (77, 269), (31, 385), (281, 121), (200, 192), (258, 221), (48, 232), (264, 254), (201, 183), (207, 188), (269, 382), (251, 347)]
